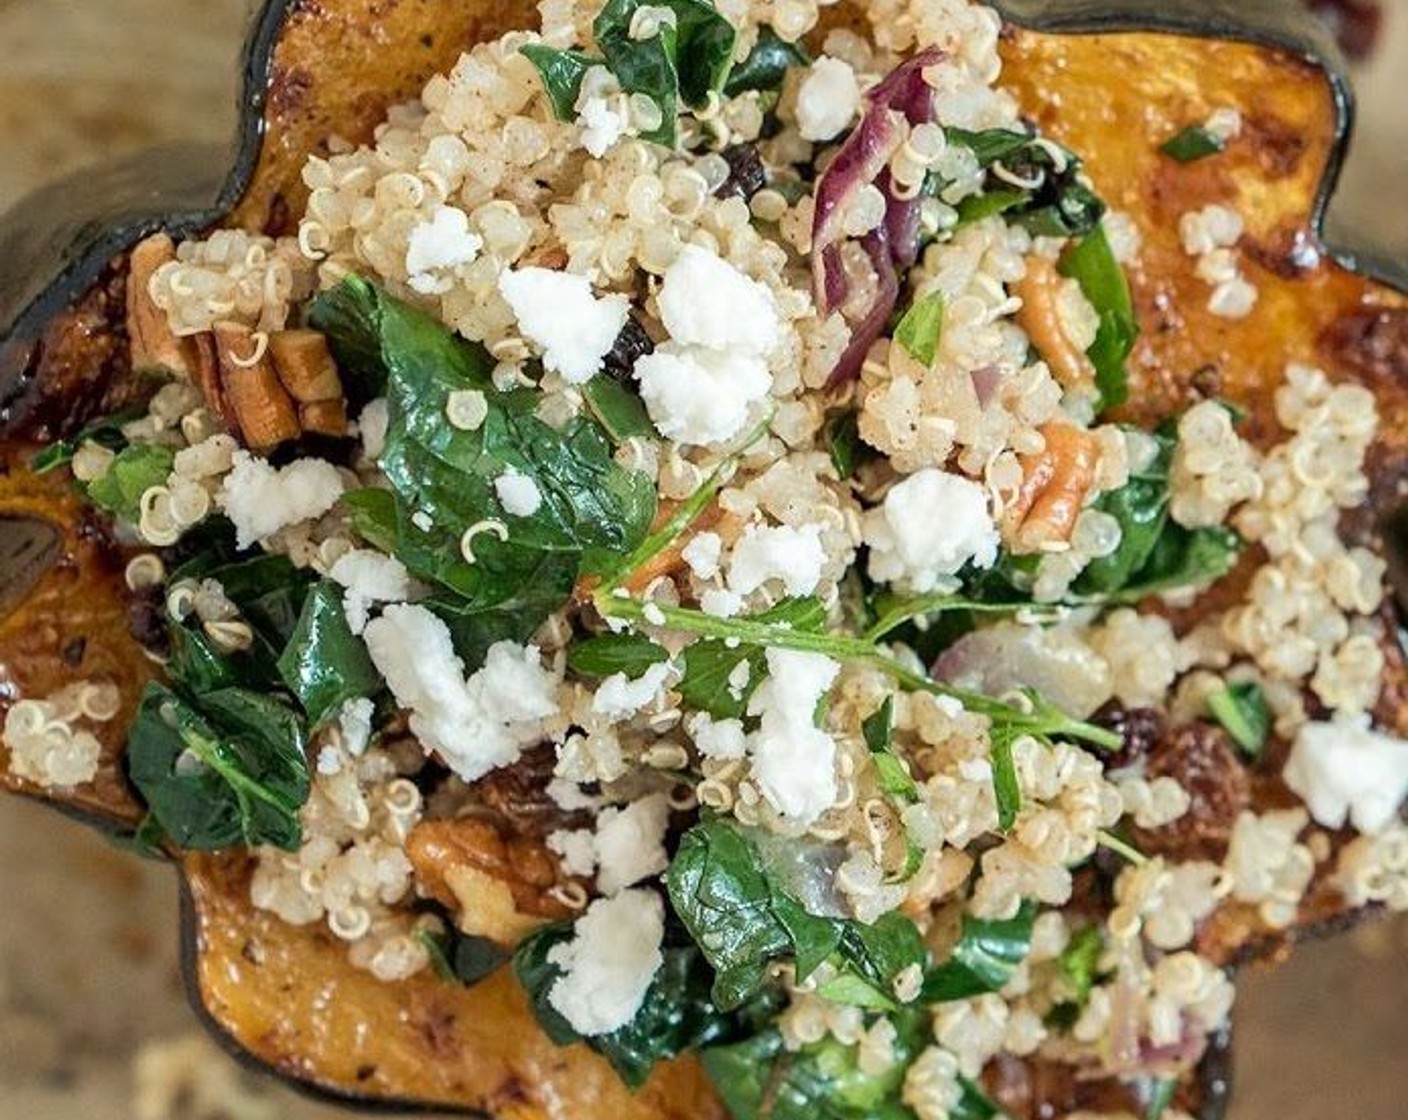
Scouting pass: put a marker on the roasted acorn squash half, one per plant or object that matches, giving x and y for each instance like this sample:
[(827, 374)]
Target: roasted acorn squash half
[(1101, 77)]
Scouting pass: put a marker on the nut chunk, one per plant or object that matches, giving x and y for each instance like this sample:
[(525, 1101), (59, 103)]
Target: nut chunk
[(259, 403), (1055, 484)]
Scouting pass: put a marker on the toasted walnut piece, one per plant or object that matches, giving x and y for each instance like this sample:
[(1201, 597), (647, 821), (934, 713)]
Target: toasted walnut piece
[(305, 365), (1040, 317), (324, 418), (498, 887), (154, 344), (257, 399), (1055, 484)]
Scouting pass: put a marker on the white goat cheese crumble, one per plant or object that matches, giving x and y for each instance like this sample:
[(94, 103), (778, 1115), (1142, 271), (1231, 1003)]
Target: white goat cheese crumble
[(602, 126), (702, 554), (705, 301), (475, 725), (437, 246), (630, 843), (722, 739), (558, 312), (609, 963), (260, 500), (794, 761), (930, 526), (1344, 771), (699, 396), (793, 556), (369, 577), (619, 697), (518, 494), (827, 100)]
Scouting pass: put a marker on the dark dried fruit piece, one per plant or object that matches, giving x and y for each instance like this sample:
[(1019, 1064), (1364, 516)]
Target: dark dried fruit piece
[(630, 346), (1200, 757), (1139, 728), (747, 176)]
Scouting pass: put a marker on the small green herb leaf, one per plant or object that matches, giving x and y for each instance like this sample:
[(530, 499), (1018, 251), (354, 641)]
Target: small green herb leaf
[(620, 411), (1161, 1095), (1092, 264), (1006, 788), (766, 65), (324, 663), (461, 958), (1242, 710), (137, 468), (561, 73), (1192, 143), (229, 771), (606, 654), (710, 665), (878, 730), (921, 327), (986, 956), (842, 433), (105, 433), (1080, 960)]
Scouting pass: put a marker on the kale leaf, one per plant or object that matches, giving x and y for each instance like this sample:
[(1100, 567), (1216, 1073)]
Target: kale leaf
[(677, 1015), (136, 469), (1242, 710), (1060, 205), (743, 920), (226, 769), (987, 954), (767, 64), (324, 664), (1092, 264)]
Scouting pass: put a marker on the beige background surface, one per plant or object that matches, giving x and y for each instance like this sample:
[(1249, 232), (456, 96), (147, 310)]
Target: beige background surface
[(91, 1007)]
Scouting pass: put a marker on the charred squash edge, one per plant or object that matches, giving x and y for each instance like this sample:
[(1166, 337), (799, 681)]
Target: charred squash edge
[(68, 234)]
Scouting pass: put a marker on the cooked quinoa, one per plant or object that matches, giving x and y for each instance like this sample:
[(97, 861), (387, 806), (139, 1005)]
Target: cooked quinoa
[(640, 531)]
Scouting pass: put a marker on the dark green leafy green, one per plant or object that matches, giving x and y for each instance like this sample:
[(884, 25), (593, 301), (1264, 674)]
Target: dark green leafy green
[(1059, 205), (618, 409), (878, 730), (1080, 961), (224, 770), (677, 1015), (1092, 264), (987, 954), (921, 327), (1242, 710), (848, 451), (592, 511), (105, 433), (136, 469), (606, 654), (461, 958), (561, 73), (1006, 789), (687, 60), (709, 665), (766, 65), (324, 664), (743, 919), (1192, 143)]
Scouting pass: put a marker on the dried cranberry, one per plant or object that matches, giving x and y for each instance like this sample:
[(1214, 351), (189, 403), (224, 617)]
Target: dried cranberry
[(630, 346), (146, 621), (747, 175), (1201, 758), (1139, 728)]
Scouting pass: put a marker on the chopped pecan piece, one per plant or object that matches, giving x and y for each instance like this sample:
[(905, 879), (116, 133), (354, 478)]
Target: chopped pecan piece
[(305, 366), (1055, 483), (260, 405), (1041, 293)]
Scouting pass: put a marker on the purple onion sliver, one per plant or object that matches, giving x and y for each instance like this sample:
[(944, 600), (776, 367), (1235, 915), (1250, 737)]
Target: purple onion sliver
[(872, 325)]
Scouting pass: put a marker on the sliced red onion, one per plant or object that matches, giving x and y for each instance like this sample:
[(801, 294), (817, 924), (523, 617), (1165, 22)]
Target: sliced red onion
[(872, 325), (986, 381), (862, 160)]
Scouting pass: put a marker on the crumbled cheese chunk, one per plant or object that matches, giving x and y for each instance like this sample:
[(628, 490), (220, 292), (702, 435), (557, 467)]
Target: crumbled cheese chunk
[(794, 761), (1212, 227), (1225, 123), (369, 577), (630, 843), (720, 602), (700, 396), (722, 739), (567, 794), (609, 963), (1345, 771), (475, 725), (705, 301), (372, 424), (260, 500), (620, 697), (518, 494), (575, 849), (791, 555), (559, 313), (602, 125), (929, 527), (702, 554), (828, 99), (438, 246), (354, 725)]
